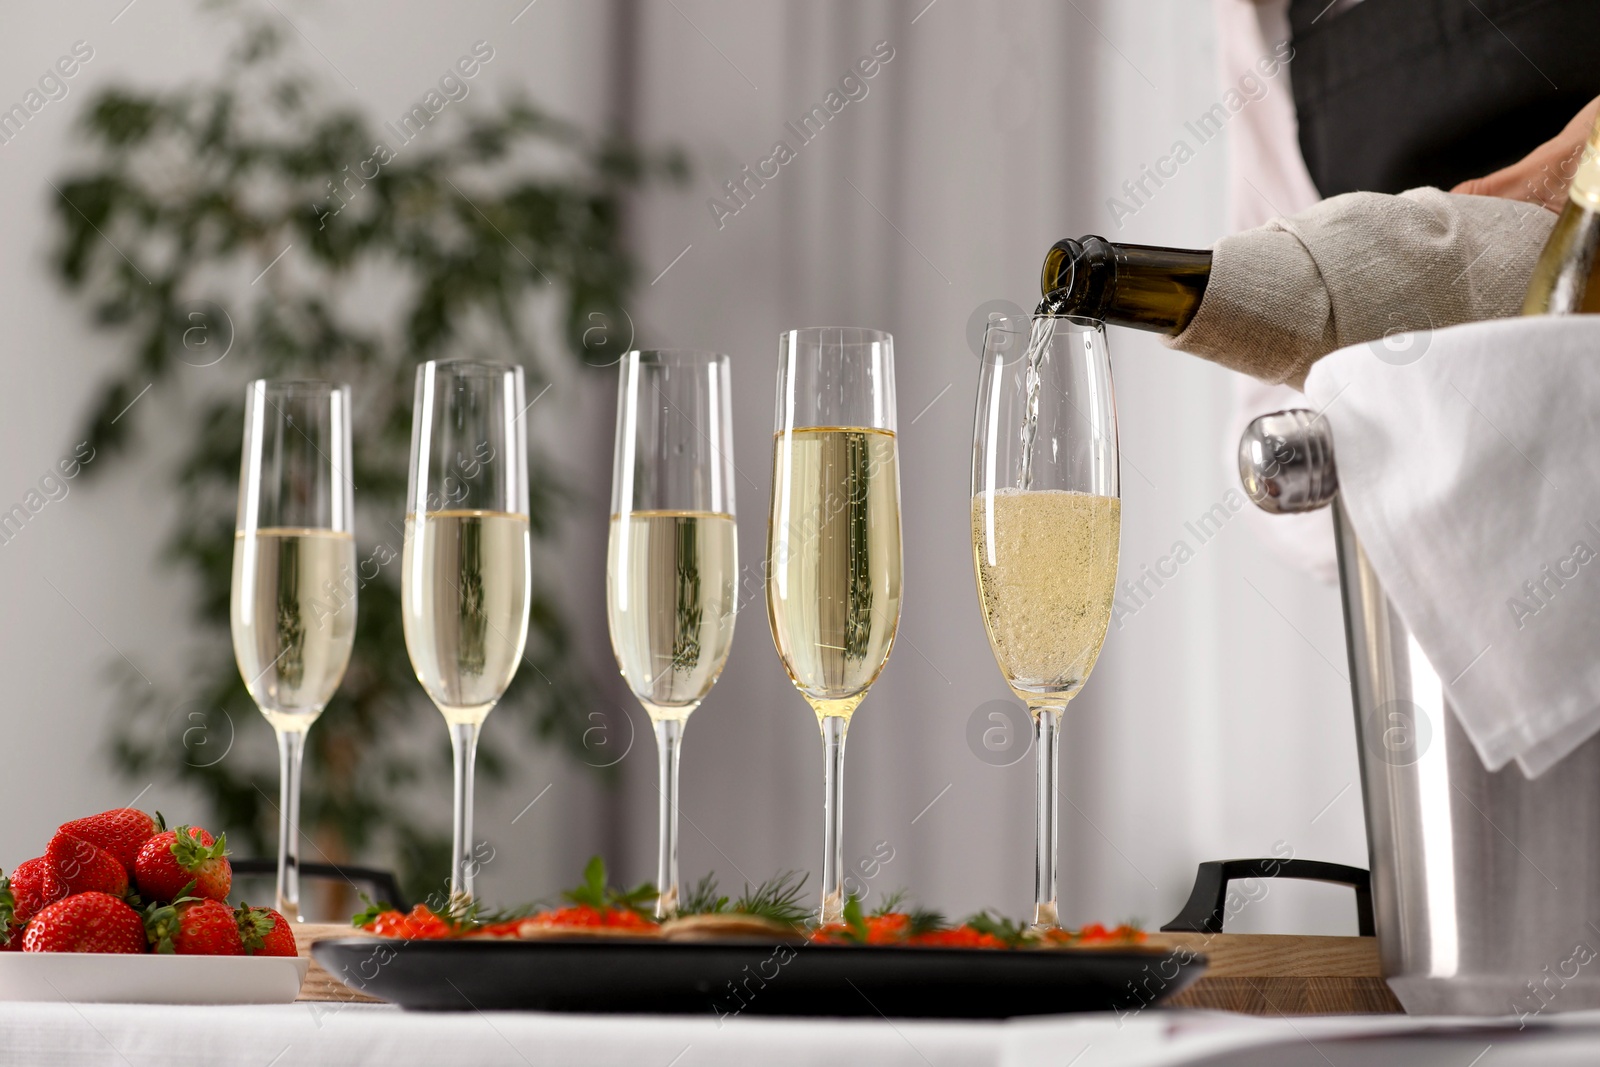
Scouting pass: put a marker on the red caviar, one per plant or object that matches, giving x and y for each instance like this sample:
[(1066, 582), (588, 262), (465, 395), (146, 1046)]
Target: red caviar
[(960, 937), (586, 915), (888, 929), (898, 928), (419, 923), (1097, 934)]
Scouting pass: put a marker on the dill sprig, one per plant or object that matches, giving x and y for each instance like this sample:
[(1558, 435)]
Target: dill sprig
[(892, 901), (702, 898), (476, 913), (777, 899)]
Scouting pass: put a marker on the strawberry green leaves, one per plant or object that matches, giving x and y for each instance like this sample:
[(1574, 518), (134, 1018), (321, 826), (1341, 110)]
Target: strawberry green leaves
[(8, 912)]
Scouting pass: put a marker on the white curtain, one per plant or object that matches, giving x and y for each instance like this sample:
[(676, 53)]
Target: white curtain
[(1218, 721)]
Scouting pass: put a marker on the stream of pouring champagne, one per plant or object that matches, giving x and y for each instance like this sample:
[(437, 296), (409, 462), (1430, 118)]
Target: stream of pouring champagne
[(1140, 286)]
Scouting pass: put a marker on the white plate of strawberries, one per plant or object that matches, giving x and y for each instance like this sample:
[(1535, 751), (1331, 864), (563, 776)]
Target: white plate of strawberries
[(122, 909)]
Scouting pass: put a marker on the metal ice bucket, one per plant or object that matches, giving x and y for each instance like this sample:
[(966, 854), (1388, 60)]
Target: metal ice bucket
[(1485, 887)]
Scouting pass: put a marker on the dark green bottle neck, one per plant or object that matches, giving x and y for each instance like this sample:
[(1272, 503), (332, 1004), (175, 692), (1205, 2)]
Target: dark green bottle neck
[(1141, 286)]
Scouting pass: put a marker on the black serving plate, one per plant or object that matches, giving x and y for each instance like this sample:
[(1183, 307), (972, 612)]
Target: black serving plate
[(733, 978)]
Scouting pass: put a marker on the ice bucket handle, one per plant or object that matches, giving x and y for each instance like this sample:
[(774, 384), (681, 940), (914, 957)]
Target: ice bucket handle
[(1286, 462), (1204, 912)]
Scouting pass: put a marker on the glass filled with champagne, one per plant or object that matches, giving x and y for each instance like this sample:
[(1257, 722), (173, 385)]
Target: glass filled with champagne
[(833, 542), (293, 603), (672, 558), (466, 580), (1046, 523)]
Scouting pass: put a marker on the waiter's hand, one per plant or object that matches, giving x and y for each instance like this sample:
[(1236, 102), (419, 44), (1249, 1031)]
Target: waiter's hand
[(1542, 176)]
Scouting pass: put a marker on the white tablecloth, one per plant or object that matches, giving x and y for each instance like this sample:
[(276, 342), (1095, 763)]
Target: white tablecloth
[(89, 1035)]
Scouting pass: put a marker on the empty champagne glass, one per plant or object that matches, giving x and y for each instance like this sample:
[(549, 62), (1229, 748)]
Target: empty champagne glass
[(672, 560), (466, 580), (293, 603), (833, 542), (1046, 522)]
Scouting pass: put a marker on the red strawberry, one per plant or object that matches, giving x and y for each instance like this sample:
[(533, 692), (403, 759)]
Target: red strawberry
[(86, 868), (169, 861), (265, 932), (86, 922), (34, 884), (120, 831), (193, 927)]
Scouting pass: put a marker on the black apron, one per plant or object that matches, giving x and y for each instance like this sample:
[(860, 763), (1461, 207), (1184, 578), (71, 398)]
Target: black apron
[(1394, 94)]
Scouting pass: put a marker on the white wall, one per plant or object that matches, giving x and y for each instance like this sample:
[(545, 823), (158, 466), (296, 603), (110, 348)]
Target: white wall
[(99, 546), (1217, 722)]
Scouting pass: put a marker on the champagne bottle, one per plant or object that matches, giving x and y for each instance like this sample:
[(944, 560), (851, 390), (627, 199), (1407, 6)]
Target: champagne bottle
[(1566, 280), (1141, 286)]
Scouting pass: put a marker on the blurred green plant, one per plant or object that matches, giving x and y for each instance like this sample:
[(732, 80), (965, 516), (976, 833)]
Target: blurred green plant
[(488, 232)]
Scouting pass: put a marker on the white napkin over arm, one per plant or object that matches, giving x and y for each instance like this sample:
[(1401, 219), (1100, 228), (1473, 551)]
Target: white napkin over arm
[(1469, 465), (1357, 267)]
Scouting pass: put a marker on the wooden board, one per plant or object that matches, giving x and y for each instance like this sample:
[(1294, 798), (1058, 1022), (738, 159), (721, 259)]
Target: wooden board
[(1259, 974), (319, 984), (1285, 974)]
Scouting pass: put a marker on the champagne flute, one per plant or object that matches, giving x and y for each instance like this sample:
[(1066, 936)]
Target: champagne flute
[(465, 583), (672, 559), (1046, 521), (833, 542), (293, 604)]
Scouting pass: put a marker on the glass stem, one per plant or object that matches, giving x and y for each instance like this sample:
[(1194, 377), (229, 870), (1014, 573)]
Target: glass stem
[(464, 746), (669, 743), (291, 754), (1046, 740), (833, 734)]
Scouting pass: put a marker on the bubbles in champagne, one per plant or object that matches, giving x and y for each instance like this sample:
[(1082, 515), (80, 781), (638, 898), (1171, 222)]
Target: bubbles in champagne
[(1046, 564), (833, 584), (671, 582), (464, 597), (293, 618)]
